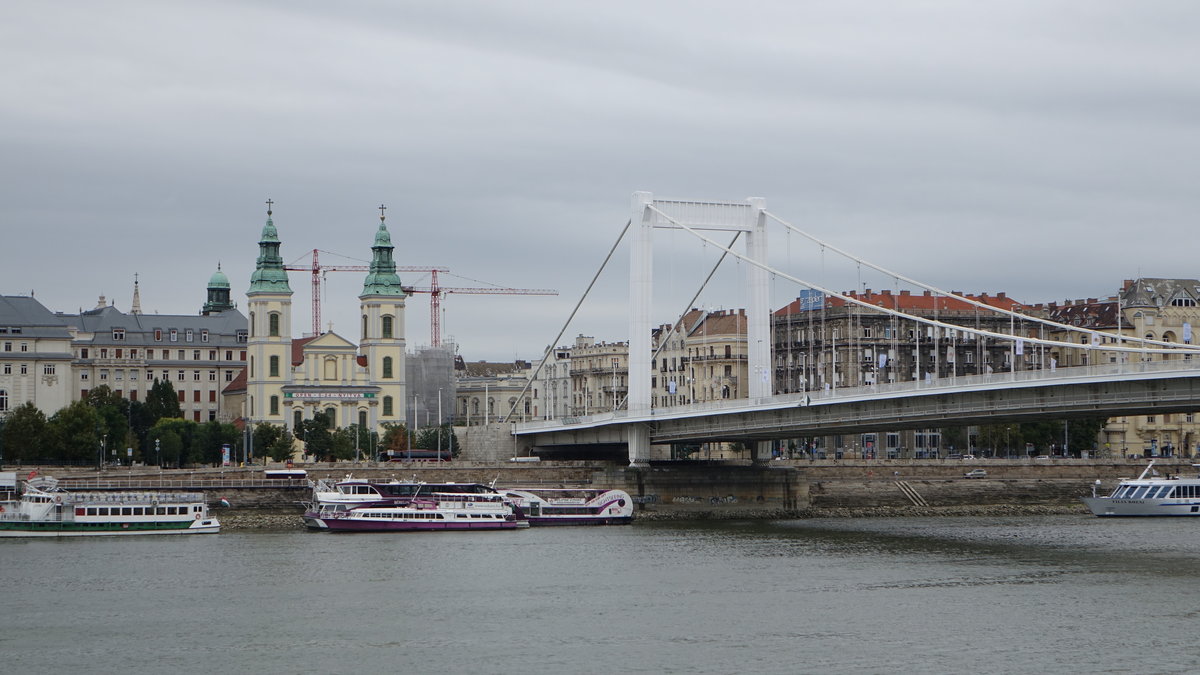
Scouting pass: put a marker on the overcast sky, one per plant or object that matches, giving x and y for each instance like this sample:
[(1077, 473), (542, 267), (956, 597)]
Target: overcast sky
[(1045, 149)]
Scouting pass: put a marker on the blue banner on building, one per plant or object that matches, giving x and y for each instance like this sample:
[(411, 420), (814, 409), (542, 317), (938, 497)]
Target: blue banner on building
[(810, 300)]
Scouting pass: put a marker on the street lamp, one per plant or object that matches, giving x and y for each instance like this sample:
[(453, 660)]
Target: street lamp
[(158, 453)]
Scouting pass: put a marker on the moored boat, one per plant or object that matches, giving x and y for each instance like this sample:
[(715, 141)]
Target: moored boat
[(1149, 495), (419, 512), (572, 506), (45, 510)]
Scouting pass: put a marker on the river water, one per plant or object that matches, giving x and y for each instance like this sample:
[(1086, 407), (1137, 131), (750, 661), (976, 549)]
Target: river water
[(929, 595)]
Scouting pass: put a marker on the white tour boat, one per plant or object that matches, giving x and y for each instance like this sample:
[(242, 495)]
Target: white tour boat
[(45, 510), (1149, 495), (420, 512), (572, 506)]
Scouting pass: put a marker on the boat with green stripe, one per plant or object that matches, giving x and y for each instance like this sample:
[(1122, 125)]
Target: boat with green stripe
[(46, 510)]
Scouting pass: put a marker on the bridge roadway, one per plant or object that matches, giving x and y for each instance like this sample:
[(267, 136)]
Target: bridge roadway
[(1109, 390)]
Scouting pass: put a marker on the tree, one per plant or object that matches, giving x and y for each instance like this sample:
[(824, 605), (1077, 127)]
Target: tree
[(73, 433), (24, 433), (282, 448), (315, 433), (179, 432), (395, 438), (209, 439), (162, 401)]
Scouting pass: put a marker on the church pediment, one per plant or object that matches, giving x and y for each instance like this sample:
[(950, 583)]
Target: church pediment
[(329, 342)]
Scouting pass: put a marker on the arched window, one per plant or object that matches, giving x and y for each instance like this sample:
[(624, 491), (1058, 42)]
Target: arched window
[(387, 406), (387, 327), (364, 327), (297, 419), (331, 413), (274, 406), (274, 368), (362, 418), (252, 324), (387, 367), (273, 324), (251, 367)]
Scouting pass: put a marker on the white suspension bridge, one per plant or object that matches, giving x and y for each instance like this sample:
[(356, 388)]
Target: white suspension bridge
[(1135, 384)]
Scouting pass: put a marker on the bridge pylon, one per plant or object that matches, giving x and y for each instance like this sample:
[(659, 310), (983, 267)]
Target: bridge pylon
[(648, 213)]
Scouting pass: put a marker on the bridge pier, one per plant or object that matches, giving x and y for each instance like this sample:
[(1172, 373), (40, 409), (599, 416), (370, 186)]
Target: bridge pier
[(639, 445)]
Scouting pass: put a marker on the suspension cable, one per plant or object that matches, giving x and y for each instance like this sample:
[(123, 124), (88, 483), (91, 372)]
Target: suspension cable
[(554, 345)]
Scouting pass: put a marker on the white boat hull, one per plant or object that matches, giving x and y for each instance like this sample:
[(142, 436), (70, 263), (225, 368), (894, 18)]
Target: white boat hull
[(1110, 506)]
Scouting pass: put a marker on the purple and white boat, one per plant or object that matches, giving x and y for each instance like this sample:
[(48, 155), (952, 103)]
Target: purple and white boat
[(432, 512), (572, 506)]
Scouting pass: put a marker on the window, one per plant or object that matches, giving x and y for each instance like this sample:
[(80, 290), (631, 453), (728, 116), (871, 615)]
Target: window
[(387, 406), (149, 354), (212, 376), (187, 335), (195, 354), (118, 375), (297, 419), (133, 375), (181, 376), (181, 353), (196, 396), (273, 369), (387, 327), (273, 324), (362, 418), (104, 353), (158, 335), (212, 355), (212, 396), (103, 374), (195, 376), (118, 334), (8, 346), (83, 353), (48, 369), (228, 354), (174, 335), (83, 375), (229, 376), (204, 335), (241, 336), (181, 396), (274, 405), (3, 399), (387, 367)]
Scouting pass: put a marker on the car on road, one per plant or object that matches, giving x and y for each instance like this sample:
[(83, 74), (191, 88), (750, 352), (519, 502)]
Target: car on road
[(975, 473)]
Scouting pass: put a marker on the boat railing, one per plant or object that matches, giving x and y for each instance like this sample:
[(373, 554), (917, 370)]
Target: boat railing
[(165, 483)]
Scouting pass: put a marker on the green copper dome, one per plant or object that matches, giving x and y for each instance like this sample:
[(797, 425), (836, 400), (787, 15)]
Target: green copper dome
[(382, 278), (218, 279), (269, 275)]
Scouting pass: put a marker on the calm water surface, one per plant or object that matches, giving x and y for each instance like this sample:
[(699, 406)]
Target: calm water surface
[(1010, 595)]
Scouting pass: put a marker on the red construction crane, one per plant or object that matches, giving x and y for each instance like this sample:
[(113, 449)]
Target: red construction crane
[(435, 299), (434, 290), (318, 271)]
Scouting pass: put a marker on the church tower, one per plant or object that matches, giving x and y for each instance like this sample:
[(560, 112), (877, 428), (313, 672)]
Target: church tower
[(218, 294), (269, 345), (382, 342)]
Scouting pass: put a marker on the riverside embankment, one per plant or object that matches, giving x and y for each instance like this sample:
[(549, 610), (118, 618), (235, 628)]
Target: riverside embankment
[(686, 490)]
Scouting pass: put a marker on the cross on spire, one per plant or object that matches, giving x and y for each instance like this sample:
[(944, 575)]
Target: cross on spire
[(269, 203), (382, 208)]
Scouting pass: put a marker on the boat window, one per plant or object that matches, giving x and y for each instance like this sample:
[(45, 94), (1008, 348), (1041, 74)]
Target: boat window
[(1138, 493), (1165, 491)]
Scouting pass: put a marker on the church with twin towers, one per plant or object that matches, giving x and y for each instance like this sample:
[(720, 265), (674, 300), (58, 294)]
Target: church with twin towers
[(290, 380)]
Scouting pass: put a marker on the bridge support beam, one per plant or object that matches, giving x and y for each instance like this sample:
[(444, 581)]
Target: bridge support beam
[(639, 445)]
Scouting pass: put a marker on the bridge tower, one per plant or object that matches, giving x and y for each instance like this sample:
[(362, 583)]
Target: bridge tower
[(748, 217)]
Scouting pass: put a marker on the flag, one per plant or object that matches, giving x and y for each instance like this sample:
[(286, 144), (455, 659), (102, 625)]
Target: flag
[(31, 475), (1020, 347), (224, 502)]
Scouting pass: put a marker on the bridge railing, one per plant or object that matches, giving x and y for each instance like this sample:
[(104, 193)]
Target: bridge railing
[(998, 380)]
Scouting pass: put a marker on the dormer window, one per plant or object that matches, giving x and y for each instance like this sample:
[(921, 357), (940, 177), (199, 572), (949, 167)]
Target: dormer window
[(118, 334)]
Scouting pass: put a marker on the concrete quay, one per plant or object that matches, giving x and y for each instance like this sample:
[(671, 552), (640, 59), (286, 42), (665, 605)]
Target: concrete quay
[(687, 490)]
